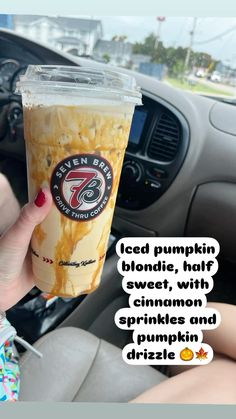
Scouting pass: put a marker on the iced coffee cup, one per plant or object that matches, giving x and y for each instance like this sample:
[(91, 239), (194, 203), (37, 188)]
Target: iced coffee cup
[(76, 127)]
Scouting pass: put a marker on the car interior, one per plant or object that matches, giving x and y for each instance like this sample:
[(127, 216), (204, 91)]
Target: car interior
[(178, 179)]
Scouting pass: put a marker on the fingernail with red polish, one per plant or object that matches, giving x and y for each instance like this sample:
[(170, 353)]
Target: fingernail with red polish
[(40, 199)]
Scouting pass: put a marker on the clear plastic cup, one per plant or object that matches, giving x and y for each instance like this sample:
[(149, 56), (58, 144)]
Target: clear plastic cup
[(76, 127)]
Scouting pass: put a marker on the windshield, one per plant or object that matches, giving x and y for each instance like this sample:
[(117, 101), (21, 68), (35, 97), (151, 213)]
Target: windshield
[(189, 53)]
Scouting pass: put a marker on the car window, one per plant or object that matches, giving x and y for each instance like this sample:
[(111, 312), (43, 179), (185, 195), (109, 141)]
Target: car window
[(189, 53)]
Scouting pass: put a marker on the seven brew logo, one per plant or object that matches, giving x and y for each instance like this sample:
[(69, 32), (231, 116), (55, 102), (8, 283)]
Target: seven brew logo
[(81, 186), (86, 186)]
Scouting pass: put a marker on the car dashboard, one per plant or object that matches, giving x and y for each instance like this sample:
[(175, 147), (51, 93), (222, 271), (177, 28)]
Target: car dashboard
[(15, 57), (180, 155)]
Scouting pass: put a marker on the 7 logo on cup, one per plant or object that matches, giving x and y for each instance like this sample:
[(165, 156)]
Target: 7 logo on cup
[(87, 187), (81, 186)]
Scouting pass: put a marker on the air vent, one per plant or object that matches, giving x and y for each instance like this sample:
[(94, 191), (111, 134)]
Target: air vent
[(165, 139)]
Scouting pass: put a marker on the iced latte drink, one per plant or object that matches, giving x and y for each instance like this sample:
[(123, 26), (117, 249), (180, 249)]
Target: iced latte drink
[(76, 125)]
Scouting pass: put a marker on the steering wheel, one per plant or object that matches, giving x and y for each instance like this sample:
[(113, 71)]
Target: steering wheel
[(12, 148), (11, 119)]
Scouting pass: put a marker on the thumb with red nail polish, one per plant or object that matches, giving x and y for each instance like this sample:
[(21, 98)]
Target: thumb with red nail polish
[(16, 277), (40, 198)]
